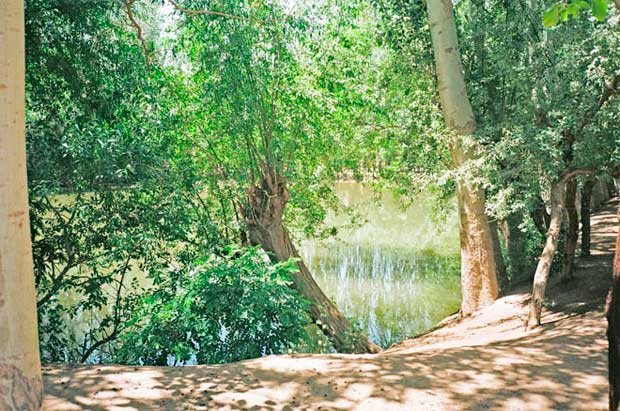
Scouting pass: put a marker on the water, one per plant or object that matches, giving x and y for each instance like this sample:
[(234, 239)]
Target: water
[(398, 274)]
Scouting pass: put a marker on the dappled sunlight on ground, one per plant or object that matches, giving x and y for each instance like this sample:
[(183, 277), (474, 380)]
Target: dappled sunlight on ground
[(562, 368), (485, 362)]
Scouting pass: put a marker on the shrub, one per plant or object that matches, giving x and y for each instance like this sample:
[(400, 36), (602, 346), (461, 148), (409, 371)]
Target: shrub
[(221, 309)]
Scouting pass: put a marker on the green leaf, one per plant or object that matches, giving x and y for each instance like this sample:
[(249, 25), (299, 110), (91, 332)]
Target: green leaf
[(572, 10), (551, 16), (581, 4), (599, 9)]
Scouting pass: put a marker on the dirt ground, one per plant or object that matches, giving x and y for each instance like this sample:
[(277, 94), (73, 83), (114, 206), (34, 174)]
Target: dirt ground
[(485, 362)]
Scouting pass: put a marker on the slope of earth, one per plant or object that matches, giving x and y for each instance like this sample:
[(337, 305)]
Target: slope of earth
[(485, 362)]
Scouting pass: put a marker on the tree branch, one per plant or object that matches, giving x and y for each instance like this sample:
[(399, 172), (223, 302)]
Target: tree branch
[(195, 12), (57, 283), (139, 34), (610, 88), (116, 329), (570, 173)]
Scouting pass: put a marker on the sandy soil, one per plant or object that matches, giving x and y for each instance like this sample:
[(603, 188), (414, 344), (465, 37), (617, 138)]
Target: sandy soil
[(485, 362)]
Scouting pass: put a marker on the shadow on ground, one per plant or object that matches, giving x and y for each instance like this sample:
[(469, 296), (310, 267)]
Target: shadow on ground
[(561, 369)]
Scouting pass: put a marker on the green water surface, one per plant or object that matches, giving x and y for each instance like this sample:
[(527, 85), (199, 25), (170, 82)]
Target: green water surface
[(397, 275)]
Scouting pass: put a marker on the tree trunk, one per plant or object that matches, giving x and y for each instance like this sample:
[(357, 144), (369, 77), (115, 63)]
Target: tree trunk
[(612, 312), (264, 219), (478, 275), (497, 252), (600, 193), (515, 247), (540, 216), (546, 258), (572, 231), (586, 204), (20, 368)]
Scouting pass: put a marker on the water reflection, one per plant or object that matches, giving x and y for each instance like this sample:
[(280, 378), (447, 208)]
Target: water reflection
[(397, 275)]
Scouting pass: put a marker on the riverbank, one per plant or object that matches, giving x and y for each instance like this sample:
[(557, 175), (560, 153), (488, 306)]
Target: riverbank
[(485, 362)]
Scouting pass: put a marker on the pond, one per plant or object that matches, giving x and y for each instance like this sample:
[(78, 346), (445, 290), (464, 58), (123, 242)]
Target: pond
[(397, 275)]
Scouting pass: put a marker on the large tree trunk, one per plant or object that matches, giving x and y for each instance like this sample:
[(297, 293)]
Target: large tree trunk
[(478, 274), (20, 369), (497, 252), (571, 234), (264, 220), (586, 205), (612, 311)]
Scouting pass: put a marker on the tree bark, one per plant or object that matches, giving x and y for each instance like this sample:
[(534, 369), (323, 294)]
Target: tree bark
[(515, 247), (612, 312), (264, 220), (20, 368), (571, 234), (546, 258), (600, 194), (478, 272), (586, 205), (540, 216), (497, 252)]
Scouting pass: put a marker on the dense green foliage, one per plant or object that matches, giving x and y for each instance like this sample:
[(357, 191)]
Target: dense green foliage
[(222, 309), (147, 125), (564, 11), (114, 198)]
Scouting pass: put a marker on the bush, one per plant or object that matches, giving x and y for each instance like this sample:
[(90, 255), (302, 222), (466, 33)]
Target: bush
[(222, 309)]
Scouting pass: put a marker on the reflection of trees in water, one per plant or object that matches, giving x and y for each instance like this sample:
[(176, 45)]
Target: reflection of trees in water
[(393, 293)]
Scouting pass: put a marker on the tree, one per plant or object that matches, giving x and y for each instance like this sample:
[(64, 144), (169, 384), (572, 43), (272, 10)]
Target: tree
[(612, 312), (541, 276), (571, 234), (261, 134), (20, 369), (586, 209), (478, 271)]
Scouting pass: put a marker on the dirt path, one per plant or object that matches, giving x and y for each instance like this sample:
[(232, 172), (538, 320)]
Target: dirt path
[(486, 362)]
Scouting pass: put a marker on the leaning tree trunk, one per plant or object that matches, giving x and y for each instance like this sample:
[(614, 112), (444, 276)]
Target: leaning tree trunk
[(612, 311), (20, 369), (586, 209), (553, 232), (544, 263), (572, 232), (267, 201), (478, 275)]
